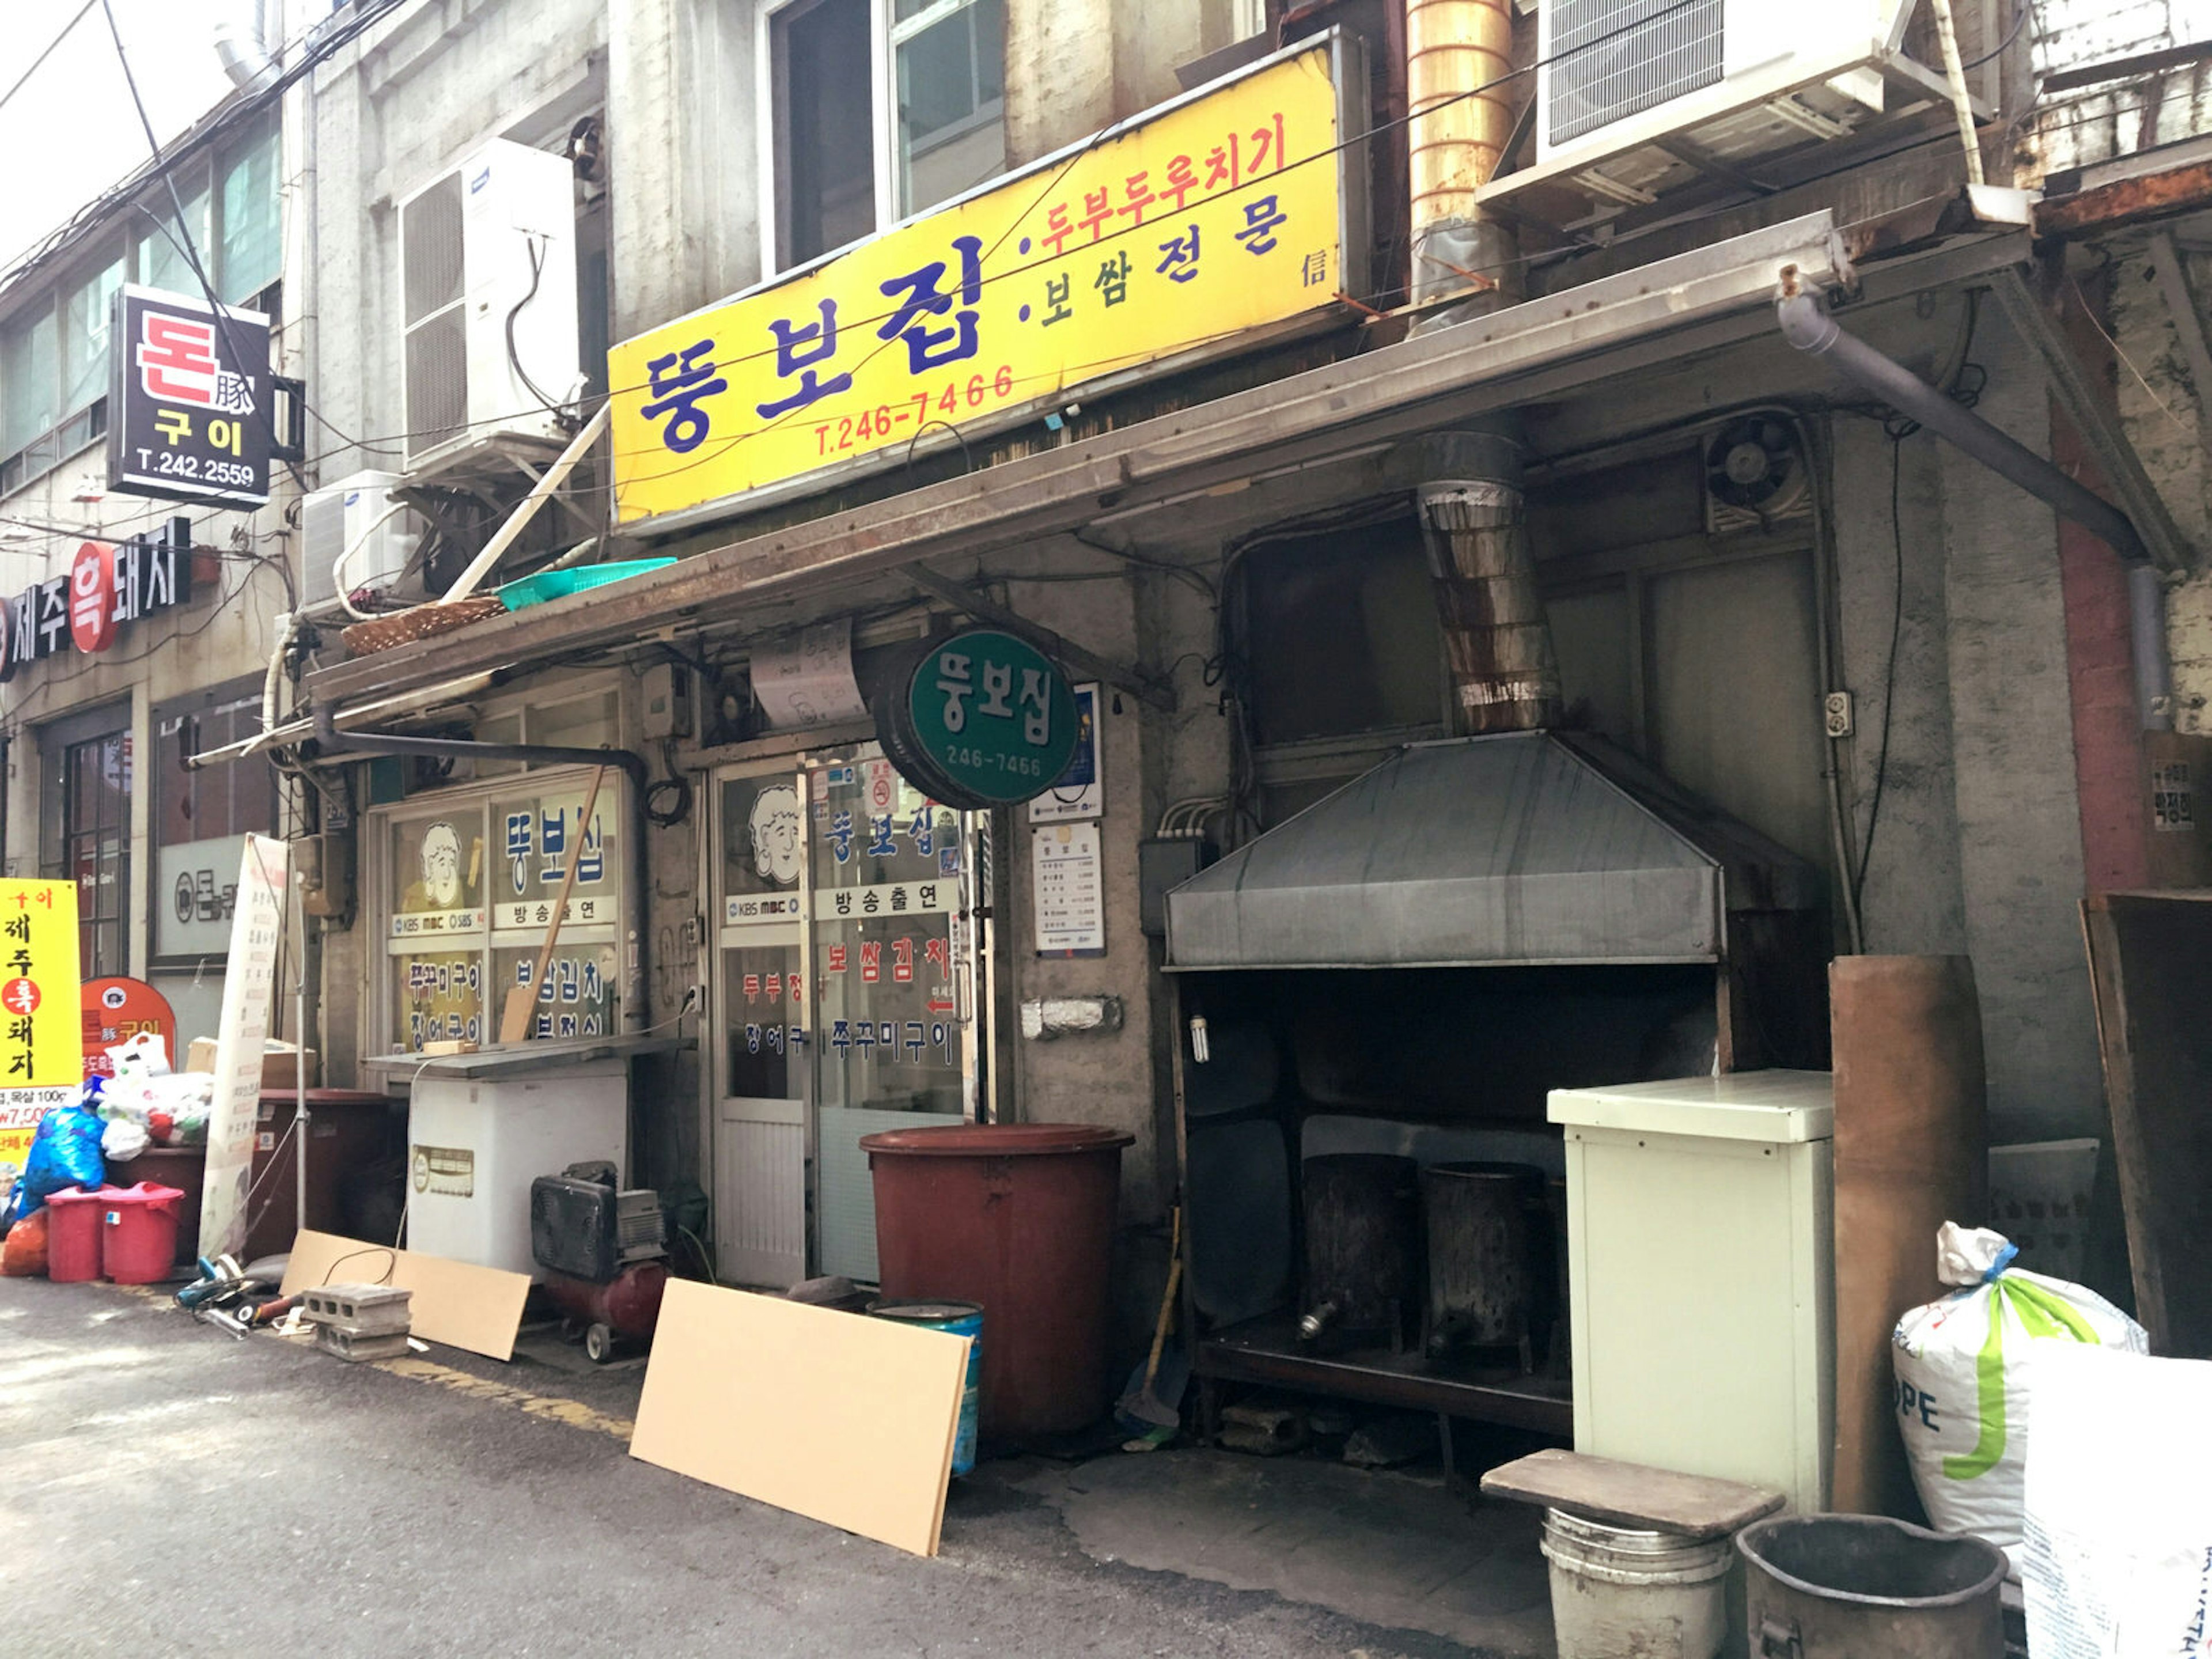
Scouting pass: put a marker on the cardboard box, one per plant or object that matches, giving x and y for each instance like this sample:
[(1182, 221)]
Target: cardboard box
[(278, 1062)]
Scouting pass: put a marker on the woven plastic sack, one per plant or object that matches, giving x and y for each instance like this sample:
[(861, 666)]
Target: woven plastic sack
[(24, 1255), (1963, 1378)]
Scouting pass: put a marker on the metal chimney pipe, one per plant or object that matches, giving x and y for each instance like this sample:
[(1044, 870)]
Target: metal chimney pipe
[(1497, 642), (240, 42), (1459, 54)]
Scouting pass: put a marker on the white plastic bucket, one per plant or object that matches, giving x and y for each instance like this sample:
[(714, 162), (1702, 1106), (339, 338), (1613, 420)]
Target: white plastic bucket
[(1615, 1591)]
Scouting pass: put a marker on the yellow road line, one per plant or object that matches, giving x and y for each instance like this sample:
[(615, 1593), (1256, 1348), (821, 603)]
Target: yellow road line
[(554, 1409)]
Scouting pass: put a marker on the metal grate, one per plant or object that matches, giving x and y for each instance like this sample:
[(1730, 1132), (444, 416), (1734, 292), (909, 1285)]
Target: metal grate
[(437, 380), (430, 234), (1612, 58)]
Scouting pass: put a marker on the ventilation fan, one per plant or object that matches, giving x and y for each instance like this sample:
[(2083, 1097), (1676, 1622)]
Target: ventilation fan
[(1753, 475)]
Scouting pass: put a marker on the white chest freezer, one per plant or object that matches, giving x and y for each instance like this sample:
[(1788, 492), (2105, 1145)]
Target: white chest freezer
[(1701, 1276), (475, 1144)]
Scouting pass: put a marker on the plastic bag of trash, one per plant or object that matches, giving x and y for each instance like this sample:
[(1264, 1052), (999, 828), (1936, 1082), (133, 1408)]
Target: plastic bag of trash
[(24, 1255), (1962, 1378), (121, 1140), (65, 1153), (2117, 1562)]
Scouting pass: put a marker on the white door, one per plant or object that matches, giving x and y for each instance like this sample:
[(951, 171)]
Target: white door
[(759, 1062)]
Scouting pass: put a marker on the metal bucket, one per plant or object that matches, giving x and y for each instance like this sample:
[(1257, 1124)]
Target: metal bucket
[(1655, 1594), (1846, 1586), (958, 1319), (1363, 1248), (1488, 1234)]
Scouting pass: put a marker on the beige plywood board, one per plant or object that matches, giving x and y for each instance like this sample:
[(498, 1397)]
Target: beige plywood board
[(1631, 1494), (455, 1302), (834, 1416)]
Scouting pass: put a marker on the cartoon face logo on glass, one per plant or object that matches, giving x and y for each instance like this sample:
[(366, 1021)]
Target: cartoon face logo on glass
[(776, 827), (441, 866)]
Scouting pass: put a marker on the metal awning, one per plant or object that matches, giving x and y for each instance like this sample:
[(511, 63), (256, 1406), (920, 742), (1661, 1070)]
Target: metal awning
[(1527, 848)]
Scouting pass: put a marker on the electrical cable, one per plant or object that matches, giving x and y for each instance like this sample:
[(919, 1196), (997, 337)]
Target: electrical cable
[(1889, 672), (675, 785), (66, 29), (534, 241)]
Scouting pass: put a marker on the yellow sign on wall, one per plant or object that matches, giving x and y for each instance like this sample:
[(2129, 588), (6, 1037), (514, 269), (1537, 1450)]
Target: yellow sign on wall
[(41, 1019), (1219, 216)]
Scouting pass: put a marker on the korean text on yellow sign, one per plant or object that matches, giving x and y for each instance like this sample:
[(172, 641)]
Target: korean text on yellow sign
[(1219, 216), (42, 1020)]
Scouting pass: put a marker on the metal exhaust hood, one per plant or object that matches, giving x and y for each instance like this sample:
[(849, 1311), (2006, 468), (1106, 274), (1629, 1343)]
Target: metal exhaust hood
[(1520, 848)]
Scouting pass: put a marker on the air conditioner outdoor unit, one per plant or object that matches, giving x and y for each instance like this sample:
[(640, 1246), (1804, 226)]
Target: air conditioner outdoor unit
[(359, 512), (489, 244), (1637, 98)]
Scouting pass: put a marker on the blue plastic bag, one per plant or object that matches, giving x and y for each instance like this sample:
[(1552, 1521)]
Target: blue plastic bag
[(65, 1153)]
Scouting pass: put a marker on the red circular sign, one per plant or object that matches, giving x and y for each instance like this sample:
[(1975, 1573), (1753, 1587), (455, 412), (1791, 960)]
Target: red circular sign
[(92, 597), (116, 1011), (20, 996)]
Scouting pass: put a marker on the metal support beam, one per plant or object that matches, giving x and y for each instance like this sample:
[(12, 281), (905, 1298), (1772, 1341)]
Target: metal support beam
[(1086, 664), (2098, 423), (2188, 326)]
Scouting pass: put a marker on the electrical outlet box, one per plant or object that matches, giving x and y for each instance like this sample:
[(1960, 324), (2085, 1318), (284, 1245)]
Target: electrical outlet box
[(1837, 713), (665, 693), (1163, 862), (323, 866)]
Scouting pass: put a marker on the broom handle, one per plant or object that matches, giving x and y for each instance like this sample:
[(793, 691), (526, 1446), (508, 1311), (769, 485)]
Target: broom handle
[(1167, 1303)]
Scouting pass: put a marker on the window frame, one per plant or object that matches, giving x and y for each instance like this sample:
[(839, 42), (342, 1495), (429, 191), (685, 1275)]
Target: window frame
[(75, 430), (176, 713), (885, 37), (57, 741)]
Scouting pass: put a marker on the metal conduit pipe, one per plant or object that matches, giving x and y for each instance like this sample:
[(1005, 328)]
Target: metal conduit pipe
[(331, 741), (1808, 326)]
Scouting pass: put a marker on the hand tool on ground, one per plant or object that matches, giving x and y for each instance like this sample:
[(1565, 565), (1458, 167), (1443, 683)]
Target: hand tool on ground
[(1141, 1403)]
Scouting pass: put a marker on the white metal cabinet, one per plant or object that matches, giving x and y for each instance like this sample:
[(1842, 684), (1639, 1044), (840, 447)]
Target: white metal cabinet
[(1701, 1274), (475, 1143)]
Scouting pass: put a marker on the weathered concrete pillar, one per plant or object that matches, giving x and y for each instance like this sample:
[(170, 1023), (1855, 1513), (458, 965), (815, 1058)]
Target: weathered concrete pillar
[(1059, 75)]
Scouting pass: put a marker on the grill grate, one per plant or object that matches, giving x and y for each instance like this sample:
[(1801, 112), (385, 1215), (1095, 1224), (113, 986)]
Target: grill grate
[(1612, 58)]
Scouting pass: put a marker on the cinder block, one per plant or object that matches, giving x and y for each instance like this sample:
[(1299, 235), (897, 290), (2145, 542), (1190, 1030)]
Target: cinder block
[(343, 1344), (364, 1309)]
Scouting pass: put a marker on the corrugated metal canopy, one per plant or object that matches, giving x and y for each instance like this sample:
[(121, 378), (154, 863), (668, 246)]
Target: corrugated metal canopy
[(1528, 847)]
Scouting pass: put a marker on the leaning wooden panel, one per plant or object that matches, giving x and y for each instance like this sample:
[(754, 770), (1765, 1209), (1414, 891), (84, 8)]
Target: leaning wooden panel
[(458, 1304), (2150, 961), (1911, 1152), (834, 1416)]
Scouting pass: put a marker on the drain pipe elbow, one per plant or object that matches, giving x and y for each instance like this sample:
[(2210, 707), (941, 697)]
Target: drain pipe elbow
[(1807, 325)]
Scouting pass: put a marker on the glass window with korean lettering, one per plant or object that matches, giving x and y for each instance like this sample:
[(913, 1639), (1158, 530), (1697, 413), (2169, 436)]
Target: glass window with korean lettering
[(887, 1030), (577, 996), (763, 1001), (437, 872), (440, 997), (539, 835)]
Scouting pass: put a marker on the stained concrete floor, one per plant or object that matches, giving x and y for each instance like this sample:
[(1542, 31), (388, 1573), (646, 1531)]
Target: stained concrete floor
[(168, 1489)]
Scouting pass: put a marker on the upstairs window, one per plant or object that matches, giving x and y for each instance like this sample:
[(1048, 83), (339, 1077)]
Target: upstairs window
[(53, 349), (880, 109)]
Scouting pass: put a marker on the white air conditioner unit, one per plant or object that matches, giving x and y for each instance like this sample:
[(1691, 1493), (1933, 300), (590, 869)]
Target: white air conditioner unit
[(1636, 99), (360, 513), (489, 244)]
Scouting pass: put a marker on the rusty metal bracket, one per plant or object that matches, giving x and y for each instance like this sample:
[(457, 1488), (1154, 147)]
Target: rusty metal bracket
[(2097, 421), (1085, 664)]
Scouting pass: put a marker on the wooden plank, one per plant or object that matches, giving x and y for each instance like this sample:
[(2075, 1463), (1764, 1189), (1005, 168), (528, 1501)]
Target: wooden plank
[(1631, 1495), (1911, 1152), (834, 1416), (455, 1302), (2150, 964)]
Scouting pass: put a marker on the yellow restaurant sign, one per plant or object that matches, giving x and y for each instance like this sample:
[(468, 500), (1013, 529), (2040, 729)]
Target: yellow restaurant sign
[(41, 1015), (1166, 240)]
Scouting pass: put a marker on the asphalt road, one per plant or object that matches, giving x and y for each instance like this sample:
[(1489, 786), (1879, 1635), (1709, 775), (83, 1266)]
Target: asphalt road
[(166, 1489)]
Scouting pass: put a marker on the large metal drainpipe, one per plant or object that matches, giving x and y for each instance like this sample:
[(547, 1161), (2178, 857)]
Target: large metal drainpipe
[(331, 741), (1807, 325)]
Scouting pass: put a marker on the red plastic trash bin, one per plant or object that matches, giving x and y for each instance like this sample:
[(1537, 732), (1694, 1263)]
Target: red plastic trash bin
[(1018, 1218), (73, 1233), (138, 1235)]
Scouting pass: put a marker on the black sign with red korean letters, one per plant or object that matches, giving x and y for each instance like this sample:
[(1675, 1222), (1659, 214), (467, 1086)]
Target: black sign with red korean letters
[(189, 410)]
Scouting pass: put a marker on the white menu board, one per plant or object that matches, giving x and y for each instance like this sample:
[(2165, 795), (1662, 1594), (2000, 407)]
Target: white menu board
[(1068, 884)]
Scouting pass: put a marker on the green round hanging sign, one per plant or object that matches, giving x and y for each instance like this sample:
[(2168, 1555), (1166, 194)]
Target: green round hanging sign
[(983, 719)]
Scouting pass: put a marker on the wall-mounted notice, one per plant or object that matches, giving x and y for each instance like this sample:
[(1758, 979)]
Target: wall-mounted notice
[(1080, 790), (1068, 884)]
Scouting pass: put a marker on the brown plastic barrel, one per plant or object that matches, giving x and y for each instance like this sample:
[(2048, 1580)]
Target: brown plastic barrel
[(1018, 1218)]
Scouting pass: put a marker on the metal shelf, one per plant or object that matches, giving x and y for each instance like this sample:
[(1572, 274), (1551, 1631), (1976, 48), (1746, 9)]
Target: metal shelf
[(1266, 1349)]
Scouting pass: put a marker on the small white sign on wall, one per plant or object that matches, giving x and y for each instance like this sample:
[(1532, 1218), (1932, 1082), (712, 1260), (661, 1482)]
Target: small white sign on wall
[(1080, 790), (1068, 883)]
